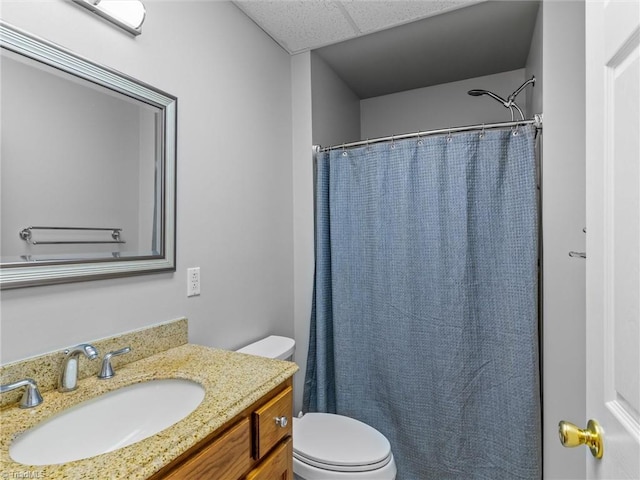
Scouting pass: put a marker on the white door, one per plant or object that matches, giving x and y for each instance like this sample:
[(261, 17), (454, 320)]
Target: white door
[(613, 234)]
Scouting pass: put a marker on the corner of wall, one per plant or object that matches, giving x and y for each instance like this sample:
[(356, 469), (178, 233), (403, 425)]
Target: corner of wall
[(534, 67), (336, 108), (303, 239)]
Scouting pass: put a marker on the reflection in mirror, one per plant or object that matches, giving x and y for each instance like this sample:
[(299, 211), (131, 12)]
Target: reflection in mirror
[(74, 154), (88, 168)]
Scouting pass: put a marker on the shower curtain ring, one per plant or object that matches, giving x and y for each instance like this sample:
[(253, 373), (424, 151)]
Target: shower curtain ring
[(344, 150), (449, 136), (482, 131), (393, 142)]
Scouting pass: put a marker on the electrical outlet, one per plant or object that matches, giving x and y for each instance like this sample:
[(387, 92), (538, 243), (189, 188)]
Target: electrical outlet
[(193, 281)]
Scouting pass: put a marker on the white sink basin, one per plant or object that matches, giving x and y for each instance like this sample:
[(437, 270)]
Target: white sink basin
[(108, 422)]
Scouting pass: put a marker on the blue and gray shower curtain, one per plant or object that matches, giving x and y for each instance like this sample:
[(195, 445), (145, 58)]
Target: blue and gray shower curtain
[(424, 321)]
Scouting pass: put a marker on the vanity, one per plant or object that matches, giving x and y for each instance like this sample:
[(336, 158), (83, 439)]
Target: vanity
[(241, 429)]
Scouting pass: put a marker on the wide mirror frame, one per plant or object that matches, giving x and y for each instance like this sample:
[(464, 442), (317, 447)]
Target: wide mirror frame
[(14, 275)]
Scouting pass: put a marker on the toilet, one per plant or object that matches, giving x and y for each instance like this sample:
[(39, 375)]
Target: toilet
[(328, 446)]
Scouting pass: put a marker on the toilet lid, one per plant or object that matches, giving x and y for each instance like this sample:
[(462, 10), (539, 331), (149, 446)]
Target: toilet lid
[(339, 443)]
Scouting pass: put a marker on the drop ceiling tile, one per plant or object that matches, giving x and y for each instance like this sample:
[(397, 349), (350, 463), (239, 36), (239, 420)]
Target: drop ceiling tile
[(373, 15), (299, 25)]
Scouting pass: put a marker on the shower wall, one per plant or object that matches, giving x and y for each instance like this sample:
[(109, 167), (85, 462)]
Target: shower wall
[(440, 106)]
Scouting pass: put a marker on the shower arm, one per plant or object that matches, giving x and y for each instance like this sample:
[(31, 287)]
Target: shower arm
[(513, 96)]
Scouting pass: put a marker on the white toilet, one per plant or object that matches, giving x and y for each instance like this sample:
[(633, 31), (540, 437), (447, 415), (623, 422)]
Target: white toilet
[(328, 446)]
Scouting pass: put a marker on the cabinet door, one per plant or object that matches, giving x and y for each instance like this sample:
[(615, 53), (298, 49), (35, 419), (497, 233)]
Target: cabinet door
[(227, 458), (277, 466), (273, 422)]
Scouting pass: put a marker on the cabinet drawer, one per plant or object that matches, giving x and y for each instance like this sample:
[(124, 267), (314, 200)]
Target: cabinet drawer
[(227, 458), (278, 465), (267, 431)]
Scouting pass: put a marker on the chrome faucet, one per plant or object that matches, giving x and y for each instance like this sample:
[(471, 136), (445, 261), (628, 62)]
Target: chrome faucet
[(69, 371), (30, 398)]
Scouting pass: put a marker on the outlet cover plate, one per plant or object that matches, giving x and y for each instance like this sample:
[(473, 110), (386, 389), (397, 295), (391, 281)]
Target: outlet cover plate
[(193, 281)]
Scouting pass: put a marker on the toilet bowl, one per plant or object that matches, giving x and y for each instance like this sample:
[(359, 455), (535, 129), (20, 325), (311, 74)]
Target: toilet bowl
[(328, 446)]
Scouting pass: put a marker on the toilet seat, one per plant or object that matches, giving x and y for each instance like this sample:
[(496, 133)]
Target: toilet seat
[(340, 444)]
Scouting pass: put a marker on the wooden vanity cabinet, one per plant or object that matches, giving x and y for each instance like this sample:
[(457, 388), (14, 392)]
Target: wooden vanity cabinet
[(255, 445), (278, 465)]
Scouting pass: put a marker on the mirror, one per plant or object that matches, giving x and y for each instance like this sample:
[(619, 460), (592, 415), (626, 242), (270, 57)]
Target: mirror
[(88, 168)]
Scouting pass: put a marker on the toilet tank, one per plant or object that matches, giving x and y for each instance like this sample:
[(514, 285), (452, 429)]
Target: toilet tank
[(274, 346)]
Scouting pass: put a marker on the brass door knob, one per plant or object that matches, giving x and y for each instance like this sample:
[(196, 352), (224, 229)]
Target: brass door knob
[(592, 436)]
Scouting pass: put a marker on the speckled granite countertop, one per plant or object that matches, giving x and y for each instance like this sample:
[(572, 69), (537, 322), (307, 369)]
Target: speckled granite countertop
[(233, 381)]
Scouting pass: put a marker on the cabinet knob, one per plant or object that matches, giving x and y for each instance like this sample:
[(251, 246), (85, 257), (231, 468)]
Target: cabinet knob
[(282, 421)]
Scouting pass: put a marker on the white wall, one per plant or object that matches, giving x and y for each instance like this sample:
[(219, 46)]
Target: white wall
[(563, 218), (440, 106), (235, 211)]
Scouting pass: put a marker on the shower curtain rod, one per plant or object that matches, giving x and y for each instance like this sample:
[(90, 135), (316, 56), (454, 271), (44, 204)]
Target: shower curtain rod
[(536, 121)]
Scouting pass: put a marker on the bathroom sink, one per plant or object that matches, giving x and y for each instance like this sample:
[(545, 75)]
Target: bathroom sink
[(108, 422)]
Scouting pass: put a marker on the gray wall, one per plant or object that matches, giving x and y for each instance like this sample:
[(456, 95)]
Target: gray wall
[(303, 229), (325, 112), (146, 190), (234, 217), (563, 218), (335, 108), (439, 106), (534, 66)]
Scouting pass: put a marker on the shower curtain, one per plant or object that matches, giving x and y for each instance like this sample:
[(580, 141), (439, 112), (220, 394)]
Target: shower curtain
[(424, 321)]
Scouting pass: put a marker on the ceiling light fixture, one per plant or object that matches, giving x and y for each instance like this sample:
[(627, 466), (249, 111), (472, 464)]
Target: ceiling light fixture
[(127, 14)]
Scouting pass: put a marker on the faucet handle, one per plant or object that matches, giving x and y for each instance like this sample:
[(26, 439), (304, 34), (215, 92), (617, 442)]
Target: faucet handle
[(30, 398), (107, 370)]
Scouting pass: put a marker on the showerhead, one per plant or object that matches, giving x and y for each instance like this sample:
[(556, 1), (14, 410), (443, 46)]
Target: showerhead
[(478, 93)]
